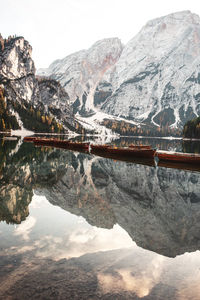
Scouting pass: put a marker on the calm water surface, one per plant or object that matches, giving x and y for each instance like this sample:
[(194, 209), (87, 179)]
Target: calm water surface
[(79, 226)]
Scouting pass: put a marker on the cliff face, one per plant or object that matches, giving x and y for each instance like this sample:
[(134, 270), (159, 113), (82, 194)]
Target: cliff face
[(22, 93), (156, 78), (80, 72)]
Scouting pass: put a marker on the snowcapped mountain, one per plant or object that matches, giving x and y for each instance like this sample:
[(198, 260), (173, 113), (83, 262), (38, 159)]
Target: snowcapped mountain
[(81, 72), (157, 77), (154, 79)]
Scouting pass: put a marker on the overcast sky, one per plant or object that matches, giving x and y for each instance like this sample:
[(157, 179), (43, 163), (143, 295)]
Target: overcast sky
[(56, 28)]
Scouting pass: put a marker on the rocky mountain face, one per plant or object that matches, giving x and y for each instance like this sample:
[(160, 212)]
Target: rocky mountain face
[(154, 79), (81, 72), (22, 93), (158, 207)]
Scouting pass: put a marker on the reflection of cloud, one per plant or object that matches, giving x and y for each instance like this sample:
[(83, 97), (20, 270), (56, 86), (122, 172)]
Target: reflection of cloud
[(38, 201), (140, 283), (79, 242), (189, 287), (25, 228), (23, 249), (93, 239)]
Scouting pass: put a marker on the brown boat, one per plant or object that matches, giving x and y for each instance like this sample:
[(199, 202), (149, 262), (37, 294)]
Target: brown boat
[(178, 157), (29, 138), (79, 145), (50, 142), (65, 144), (99, 147), (140, 146)]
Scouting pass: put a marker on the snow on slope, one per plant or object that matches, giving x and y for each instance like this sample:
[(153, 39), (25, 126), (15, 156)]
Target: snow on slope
[(80, 72), (158, 72), (155, 78)]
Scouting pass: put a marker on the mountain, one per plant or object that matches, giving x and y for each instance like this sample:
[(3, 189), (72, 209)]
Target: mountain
[(80, 72), (154, 79), (26, 101), (157, 79)]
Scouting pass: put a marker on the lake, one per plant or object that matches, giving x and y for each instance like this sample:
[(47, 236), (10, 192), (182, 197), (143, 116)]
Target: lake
[(80, 226)]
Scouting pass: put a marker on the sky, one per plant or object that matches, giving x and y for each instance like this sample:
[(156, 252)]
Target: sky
[(57, 28)]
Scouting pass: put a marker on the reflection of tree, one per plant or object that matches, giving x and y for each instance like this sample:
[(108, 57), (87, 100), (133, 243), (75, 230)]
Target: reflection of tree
[(191, 146), (21, 172), (17, 179)]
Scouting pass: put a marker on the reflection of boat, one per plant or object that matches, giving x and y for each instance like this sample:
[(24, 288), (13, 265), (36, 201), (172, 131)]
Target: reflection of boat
[(132, 151), (178, 165), (178, 157), (10, 138), (126, 158)]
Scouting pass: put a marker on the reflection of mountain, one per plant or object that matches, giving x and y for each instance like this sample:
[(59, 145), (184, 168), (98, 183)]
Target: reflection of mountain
[(158, 207)]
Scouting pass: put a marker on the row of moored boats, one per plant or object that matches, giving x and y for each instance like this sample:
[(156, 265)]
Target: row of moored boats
[(133, 151)]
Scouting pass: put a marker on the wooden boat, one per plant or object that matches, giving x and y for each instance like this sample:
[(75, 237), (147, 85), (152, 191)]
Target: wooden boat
[(133, 152), (61, 144), (51, 142), (29, 138), (140, 146), (178, 157), (79, 145), (99, 147)]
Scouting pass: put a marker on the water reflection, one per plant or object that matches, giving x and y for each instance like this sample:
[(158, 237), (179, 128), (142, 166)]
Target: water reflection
[(83, 242), (158, 207)]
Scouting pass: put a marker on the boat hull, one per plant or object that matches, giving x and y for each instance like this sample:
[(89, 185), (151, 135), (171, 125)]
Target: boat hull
[(187, 158), (61, 144)]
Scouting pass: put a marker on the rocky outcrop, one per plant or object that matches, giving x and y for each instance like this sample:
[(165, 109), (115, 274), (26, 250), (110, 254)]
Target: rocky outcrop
[(56, 100), (23, 92), (17, 72)]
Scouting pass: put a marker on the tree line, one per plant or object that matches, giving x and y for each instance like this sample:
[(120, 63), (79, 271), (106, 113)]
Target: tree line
[(127, 129), (192, 128)]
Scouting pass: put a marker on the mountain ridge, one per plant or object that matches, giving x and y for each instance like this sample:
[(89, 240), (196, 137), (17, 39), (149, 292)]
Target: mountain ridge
[(153, 79)]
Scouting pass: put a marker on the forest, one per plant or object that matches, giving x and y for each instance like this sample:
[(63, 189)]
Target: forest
[(127, 129), (192, 128)]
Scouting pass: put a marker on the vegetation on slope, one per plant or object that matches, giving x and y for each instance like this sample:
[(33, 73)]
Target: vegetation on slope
[(7, 120), (192, 129), (127, 129)]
